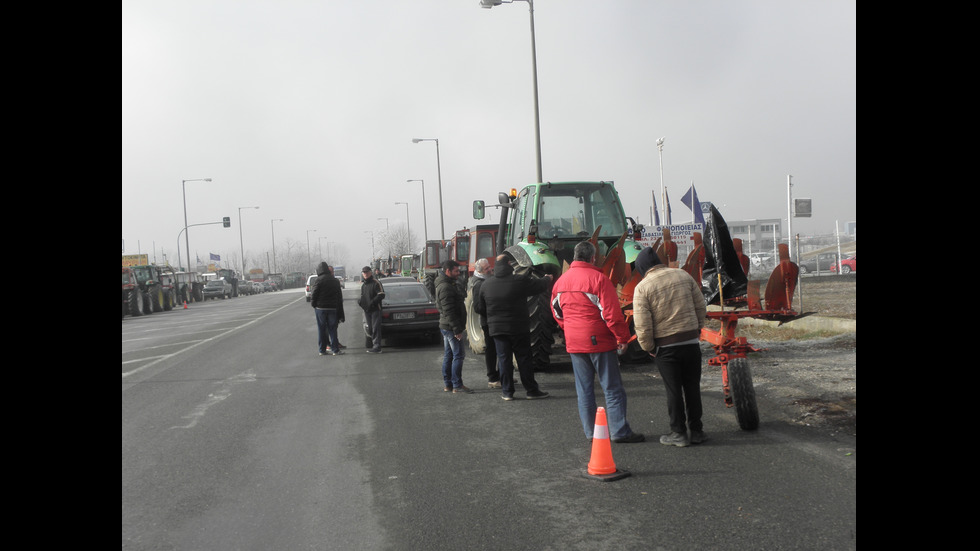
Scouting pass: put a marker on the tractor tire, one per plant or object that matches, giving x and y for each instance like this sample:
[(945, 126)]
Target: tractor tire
[(543, 329), (474, 332), (168, 300), (147, 301), (135, 302), (156, 298), (429, 280), (743, 394), (198, 294)]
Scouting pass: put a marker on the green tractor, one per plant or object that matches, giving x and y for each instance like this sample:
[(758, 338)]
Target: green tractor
[(539, 228)]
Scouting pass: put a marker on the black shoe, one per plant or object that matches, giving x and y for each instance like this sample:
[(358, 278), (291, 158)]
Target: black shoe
[(698, 436), (507, 398), (338, 352), (632, 438), (535, 394), (374, 351), (462, 390)]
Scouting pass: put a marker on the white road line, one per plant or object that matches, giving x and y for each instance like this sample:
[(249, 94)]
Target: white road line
[(199, 343)]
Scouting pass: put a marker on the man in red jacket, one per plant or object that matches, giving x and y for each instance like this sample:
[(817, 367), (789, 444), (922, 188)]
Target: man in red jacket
[(585, 305)]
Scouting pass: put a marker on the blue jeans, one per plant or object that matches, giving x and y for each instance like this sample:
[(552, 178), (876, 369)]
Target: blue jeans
[(326, 325), (452, 359), (606, 365)]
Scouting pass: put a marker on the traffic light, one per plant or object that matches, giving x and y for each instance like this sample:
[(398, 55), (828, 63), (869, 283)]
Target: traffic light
[(226, 222)]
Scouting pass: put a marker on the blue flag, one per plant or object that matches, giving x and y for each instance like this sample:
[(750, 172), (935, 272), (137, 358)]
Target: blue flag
[(214, 256), (690, 200), (667, 204)]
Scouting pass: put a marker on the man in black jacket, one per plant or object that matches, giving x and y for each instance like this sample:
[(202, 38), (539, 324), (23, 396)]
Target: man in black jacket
[(327, 300), (503, 299), (372, 293), (452, 325)]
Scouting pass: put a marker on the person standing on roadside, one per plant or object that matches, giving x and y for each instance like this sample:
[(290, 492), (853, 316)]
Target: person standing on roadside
[(452, 325), (585, 305), (504, 299), (481, 271), (372, 293), (327, 300), (669, 312)]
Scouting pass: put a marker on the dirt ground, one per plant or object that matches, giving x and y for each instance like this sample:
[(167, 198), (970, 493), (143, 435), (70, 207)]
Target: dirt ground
[(811, 375)]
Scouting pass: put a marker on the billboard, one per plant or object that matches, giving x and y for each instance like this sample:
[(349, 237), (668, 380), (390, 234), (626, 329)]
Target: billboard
[(135, 259)]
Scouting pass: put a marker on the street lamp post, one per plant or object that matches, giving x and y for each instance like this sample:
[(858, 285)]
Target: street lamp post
[(663, 198), (534, 74), (309, 259), (425, 222), (442, 222), (240, 242), (273, 224), (408, 223), (187, 239), (387, 235)]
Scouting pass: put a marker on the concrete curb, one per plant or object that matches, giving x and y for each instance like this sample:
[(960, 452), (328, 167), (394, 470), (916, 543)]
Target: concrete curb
[(813, 323)]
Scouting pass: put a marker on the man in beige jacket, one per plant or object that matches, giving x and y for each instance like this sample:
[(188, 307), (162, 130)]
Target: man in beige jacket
[(669, 312)]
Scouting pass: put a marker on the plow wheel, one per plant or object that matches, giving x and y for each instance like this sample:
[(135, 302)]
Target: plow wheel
[(743, 394)]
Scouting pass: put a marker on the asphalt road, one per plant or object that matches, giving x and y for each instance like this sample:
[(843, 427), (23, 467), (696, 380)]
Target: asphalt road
[(237, 435)]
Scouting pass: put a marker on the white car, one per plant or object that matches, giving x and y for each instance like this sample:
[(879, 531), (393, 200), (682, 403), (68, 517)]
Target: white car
[(309, 287)]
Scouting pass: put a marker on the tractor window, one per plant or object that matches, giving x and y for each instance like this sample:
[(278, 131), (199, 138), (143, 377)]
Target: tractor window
[(462, 249), (484, 246), (604, 206)]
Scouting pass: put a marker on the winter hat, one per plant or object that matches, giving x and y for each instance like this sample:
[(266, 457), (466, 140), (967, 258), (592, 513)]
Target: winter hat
[(646, 259)]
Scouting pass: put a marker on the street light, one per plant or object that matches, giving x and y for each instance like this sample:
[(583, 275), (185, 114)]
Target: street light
[(425, 222), (319, 249), (308, 258), (663, 198), (240, 242), (187, 239), (534, 73), (408, 223), (273, 224), (442, 223)]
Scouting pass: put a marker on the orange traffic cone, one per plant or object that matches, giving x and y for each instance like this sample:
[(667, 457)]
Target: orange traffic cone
[(185, 305), (601, 466)]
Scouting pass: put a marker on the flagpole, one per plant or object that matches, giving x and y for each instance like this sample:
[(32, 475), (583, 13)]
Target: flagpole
[(663, 200)]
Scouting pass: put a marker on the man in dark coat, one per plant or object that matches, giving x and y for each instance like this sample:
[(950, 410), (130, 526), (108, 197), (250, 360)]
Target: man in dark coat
[(504, 300), (452, 325), (327, 300), (372, 293)]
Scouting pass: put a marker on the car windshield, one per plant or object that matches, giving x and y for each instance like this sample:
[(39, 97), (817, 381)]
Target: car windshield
[(406, 294), (215, 283)]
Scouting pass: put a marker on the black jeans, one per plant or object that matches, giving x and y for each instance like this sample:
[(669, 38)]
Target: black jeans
[(490, 355), (680, 368), (509, 346)]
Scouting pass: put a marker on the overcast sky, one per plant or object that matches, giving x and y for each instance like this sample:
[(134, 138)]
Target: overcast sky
[(307, 109)]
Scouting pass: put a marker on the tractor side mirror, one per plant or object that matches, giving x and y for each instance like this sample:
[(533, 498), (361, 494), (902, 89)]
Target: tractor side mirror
[(479, 209)]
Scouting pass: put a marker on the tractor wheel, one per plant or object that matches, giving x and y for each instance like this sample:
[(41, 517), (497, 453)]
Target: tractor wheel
[(135, 302), (743, 394), (430, 283), (543, 329), (156, 298), (168, 300), (147, 301), (474, 332)]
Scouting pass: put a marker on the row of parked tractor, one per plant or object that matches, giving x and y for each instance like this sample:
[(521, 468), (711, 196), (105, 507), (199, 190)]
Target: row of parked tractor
[(150, 288)]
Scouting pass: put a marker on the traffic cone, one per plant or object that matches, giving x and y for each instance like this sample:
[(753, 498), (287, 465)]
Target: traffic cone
[(601, 466), (185, 305)]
